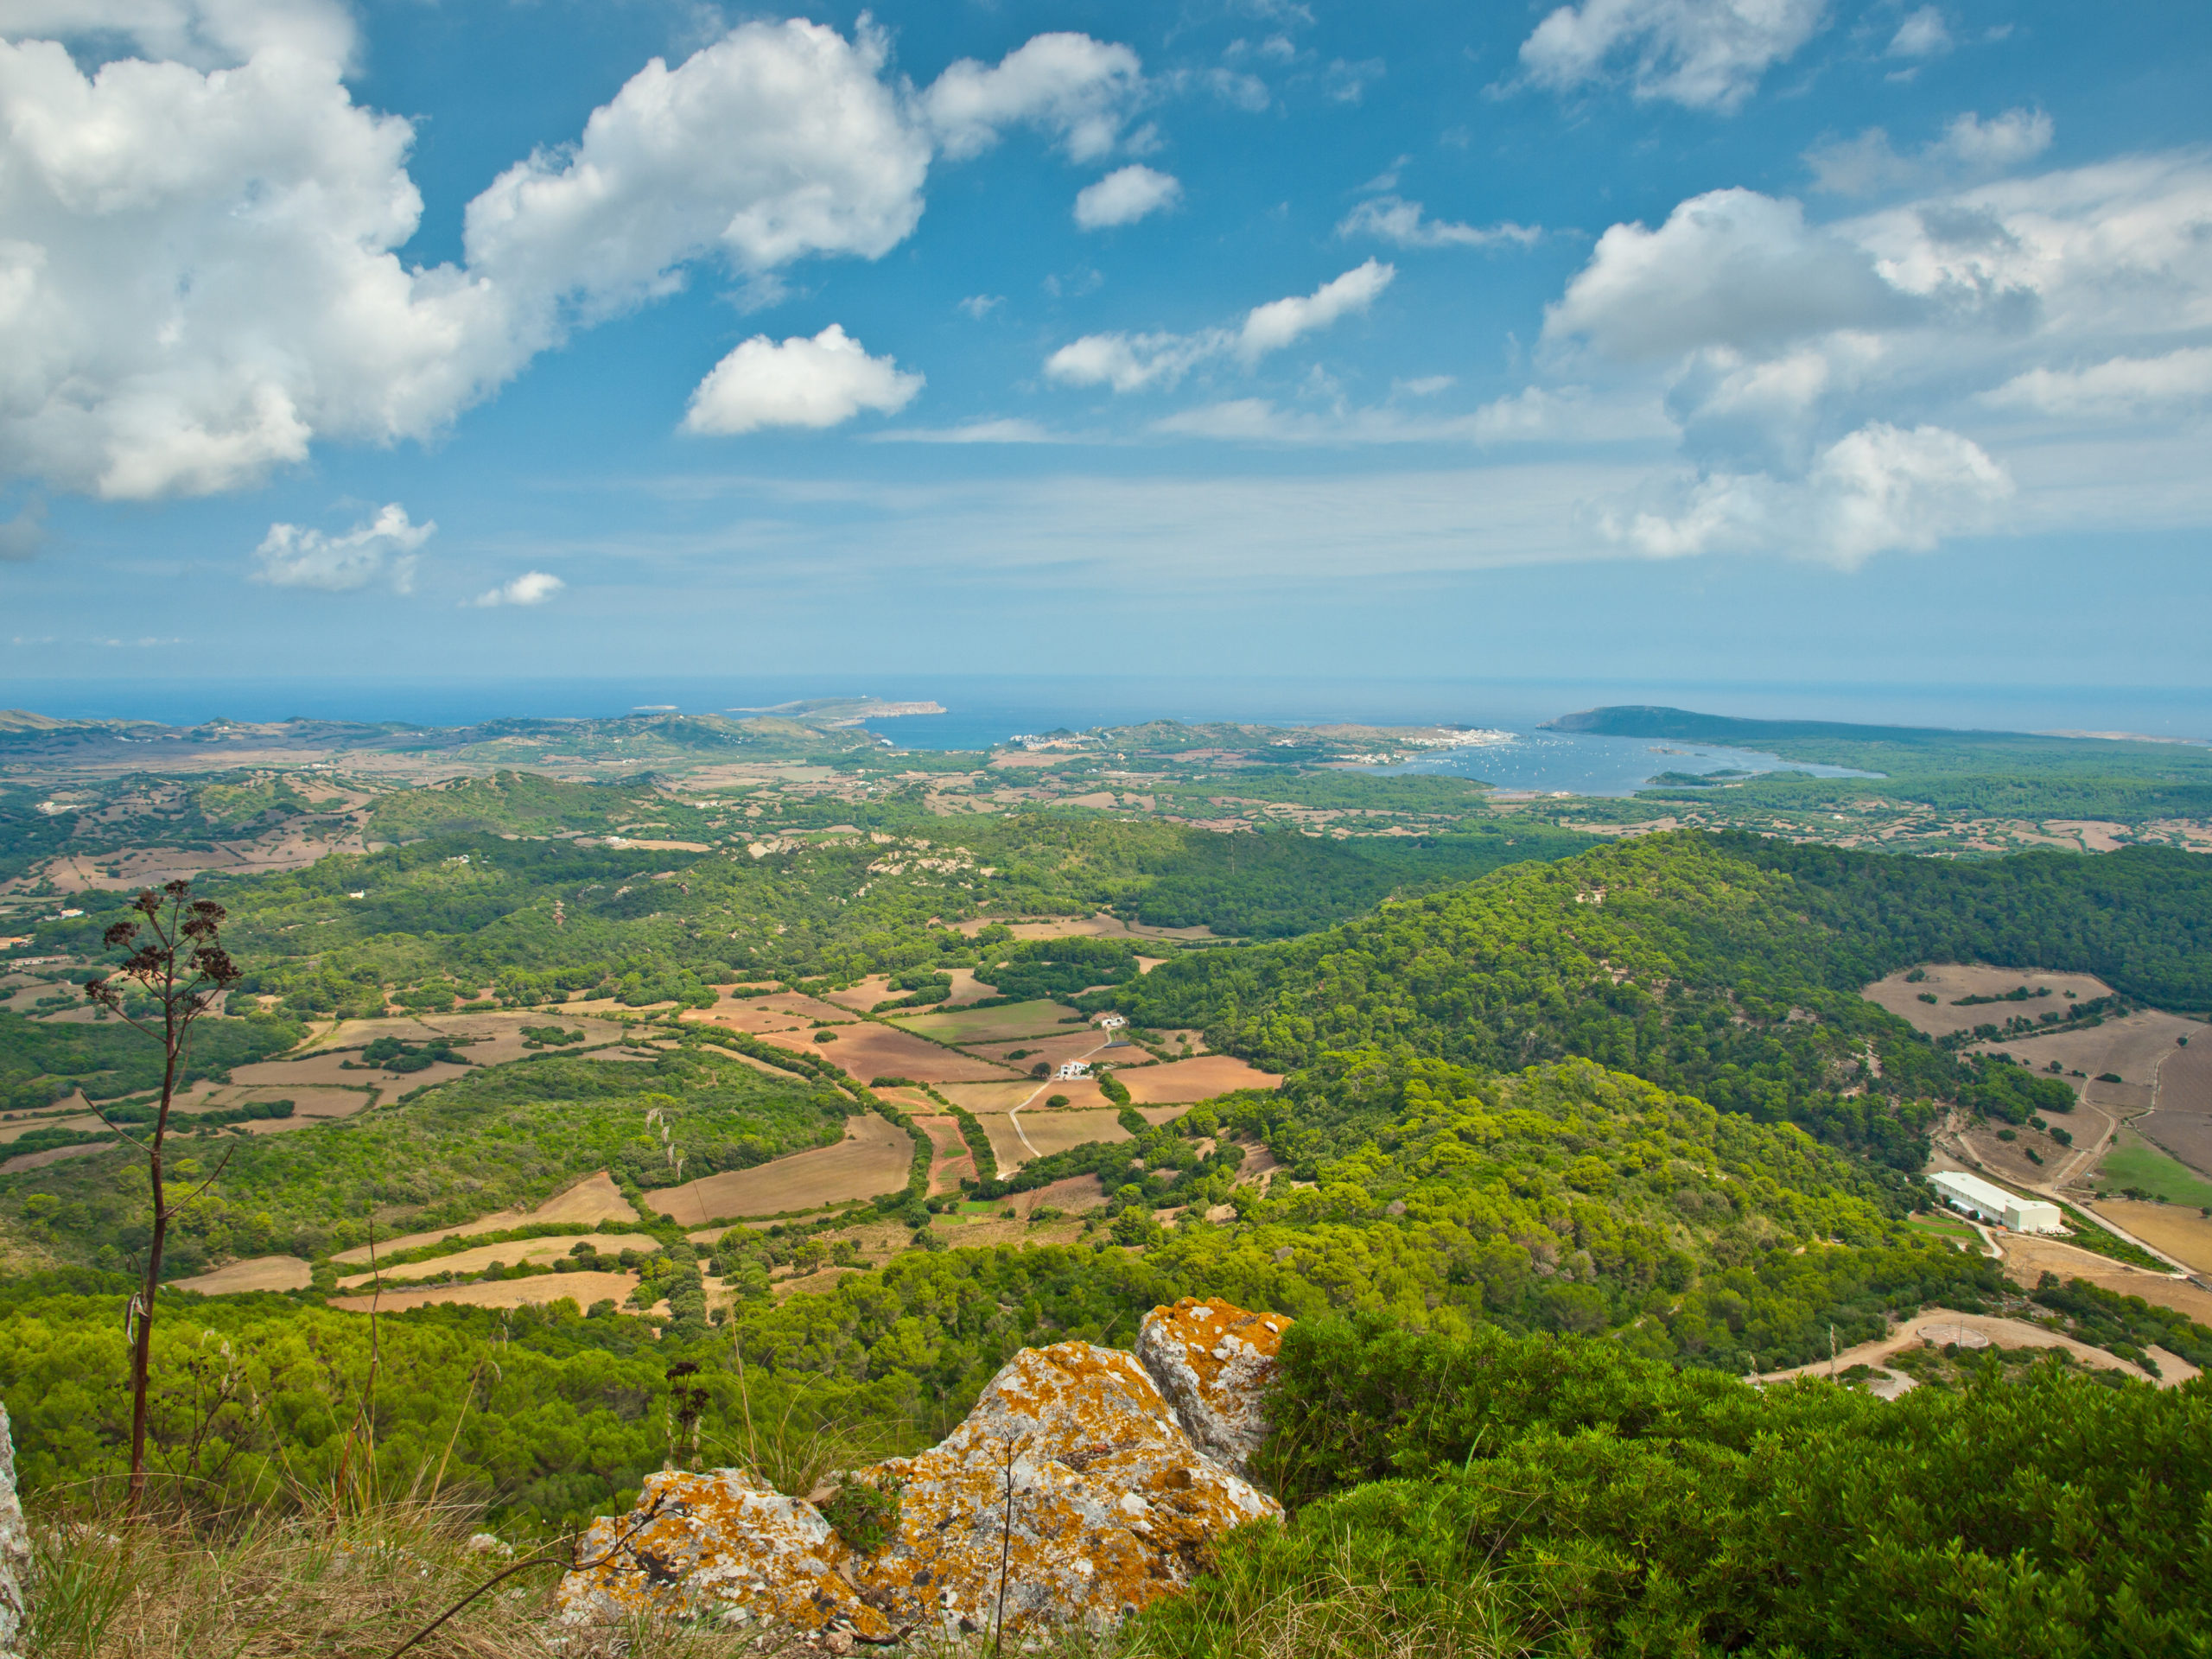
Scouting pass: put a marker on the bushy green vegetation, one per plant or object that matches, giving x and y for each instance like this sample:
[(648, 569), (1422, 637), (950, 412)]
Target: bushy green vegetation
[(42, 1060), (1491, 1492), (1720, 965), (494, 1136)]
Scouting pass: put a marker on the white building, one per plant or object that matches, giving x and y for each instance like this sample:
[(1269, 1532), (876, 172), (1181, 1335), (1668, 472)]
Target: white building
[(1978, 1197), (1111, 1022), (1072, 1071)]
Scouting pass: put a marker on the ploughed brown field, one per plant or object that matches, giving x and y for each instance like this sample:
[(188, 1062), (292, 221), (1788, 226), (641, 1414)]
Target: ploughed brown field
[(1080, 1042), (954, 1161), (2182, 1122), (989, 1099), (537, 1291), (873, 1159), (868, 1050), (1186, 1081)]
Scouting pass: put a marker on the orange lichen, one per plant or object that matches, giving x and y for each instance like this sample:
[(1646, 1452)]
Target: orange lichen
[(1214, 1362)]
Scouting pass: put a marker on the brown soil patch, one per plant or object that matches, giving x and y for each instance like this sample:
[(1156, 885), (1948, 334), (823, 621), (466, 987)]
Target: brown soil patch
[(1194, 1079), (869, 1050), (863, 996), (537, 1291), (1080, 1043), (1041, 1133), (2134, 1049), (514, 1253), (1948, 981), (590, 1201), (806, 1008), (873, 1159), (1101, 927), (2183, 1121), (2181, 1232), (308, 1105), (259, 1273), (745, 1017), (1074, 1194), (1016, 1020)]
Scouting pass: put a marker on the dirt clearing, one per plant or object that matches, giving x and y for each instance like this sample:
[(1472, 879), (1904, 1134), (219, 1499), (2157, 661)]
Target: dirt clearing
[(2027, 1257), (1939, 1326), (871, 1159)]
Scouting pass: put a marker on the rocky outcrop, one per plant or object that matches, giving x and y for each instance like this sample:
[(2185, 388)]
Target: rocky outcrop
[(15, 1548), (1214, 1363), (1071, 1492)]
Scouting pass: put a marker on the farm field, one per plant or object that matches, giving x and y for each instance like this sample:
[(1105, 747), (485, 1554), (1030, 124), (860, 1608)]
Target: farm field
[(2182, 1122), (750, 1017), (2027, 1256), (1184, 1082), (256, 1273), (514, 1253), (1938, 1325), (1038, 1018), (1947, 981), (1077, 1044), (588, 1202), (986, 1099), (538, 1290), (954, 1162), (2133, 1162), (871, 1159), (2182, 1233), (869, 1050)]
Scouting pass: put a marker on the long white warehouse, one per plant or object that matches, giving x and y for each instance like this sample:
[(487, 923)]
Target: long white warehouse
[(1977, 1198)]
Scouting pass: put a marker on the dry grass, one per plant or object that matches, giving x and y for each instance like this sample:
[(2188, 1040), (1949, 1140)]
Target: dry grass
[(352, 1586)]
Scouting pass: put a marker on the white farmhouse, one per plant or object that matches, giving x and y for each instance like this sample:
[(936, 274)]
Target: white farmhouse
[(1978, 1197), (1072, 1071), (1111, 1022)]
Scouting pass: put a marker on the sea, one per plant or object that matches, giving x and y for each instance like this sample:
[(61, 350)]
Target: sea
[(983, 710)]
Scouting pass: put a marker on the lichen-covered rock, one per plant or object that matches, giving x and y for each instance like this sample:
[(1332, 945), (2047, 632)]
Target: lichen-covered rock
[(1214, 1362), (1112, 1505), (719, 1546), (1071, 1486), (14, 1547)]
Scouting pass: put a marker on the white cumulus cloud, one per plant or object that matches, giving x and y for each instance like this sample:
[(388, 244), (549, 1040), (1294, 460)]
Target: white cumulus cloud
[(199, 275), (818, 382), (531, 588), (1704, 53), (1124, 196), (1969, 147), (1079, 90), (1878, 489), (382, 550), (2121, 388), (1392, 219), (1132, 362), (1923, 34)]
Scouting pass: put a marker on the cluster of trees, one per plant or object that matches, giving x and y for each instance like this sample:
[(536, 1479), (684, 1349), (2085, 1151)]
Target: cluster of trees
[(42, 1061), (1500, 1492)]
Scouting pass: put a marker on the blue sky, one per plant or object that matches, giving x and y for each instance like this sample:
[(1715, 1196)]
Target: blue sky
[(1650, 339)]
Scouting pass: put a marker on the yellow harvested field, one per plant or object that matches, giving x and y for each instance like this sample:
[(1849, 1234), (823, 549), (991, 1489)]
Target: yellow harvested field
[(820, 1282), (1041, 1133), (871, 1159), (1947, 981), (1195, 1079), (258, 1273), (2027, 1256), (805, 1008), (1036, 1018), (2181, 1232), (538, 1290), (590, 1201), (515, 1253), (989, 1099), (1074, 1194), (23, 1126), (748, 1016), (869, 1050)]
